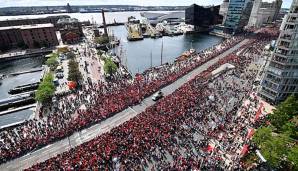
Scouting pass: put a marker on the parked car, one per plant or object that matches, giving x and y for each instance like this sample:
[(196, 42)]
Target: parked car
[(59, 75), (158, 95)]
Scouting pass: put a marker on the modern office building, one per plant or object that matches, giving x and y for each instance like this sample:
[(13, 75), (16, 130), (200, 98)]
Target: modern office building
[(28, 36), (237, 16), (200, 16), (264, 12), (280, 78)]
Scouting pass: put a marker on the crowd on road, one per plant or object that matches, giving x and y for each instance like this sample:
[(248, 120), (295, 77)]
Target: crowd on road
[(209, 129), (98, 101)]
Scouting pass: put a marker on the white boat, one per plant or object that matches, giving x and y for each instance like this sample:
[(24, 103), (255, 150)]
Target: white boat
[(185, 28)]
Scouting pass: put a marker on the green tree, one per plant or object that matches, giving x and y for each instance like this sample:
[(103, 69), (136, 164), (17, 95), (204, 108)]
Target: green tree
[(275, 149), (279, 147), (46, 89), (70, 55), (109, 67), (290, 129), (52, 62), (262, 135), (74, 73), (101, 40), (284, 112), (293, 157)]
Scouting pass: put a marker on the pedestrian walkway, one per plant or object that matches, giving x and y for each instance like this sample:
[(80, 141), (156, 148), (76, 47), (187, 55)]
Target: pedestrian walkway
[(105, 126)]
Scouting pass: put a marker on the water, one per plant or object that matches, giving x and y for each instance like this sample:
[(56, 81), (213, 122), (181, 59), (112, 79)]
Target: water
[(137, 53), (13, 81), (96, 17), (15, 117), (17, 66)]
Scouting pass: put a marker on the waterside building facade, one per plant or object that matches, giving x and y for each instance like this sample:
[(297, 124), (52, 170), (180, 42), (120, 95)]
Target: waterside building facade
[(200, 16), (237, 16), (28, 36)]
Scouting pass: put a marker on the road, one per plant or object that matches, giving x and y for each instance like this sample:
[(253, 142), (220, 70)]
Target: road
[(105, 126)]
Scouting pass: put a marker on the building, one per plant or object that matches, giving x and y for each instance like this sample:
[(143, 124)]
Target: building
[(200, 16), (264, 11), (280, 78), (173, 18), (70, 29), (224, 10), (237, 16), (27, 21), (28, 36), (68, 8)]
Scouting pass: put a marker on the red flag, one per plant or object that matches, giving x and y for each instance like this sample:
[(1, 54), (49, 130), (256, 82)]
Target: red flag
[(244, 149)]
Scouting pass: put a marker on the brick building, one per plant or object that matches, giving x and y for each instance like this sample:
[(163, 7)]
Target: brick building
[(28, 36), (30, 21), (70, 30)]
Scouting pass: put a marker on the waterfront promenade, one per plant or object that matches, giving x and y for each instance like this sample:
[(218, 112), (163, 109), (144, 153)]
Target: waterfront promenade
[(105, 126)]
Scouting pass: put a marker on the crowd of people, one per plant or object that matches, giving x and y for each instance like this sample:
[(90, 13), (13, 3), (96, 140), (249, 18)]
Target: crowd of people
[(96, 102), (202, 125)]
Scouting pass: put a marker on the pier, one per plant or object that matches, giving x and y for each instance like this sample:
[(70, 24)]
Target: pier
[(25, 72), (24, 54), (17, 109), (24, 88)]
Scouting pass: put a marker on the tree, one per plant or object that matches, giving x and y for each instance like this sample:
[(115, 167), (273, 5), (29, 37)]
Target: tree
[(284, 112), (46, 89), (293, 157), (52, 63), (109, 67), (262, 135), (101, 40), (290, 129), (74, 73), (70, 55)]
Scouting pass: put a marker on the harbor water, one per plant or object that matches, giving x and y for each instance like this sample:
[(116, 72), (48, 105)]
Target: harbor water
[(10, 82), (137, 54)]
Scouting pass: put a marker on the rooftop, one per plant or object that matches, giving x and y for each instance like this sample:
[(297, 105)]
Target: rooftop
[(35, 17), (24, 27), (67, 20)]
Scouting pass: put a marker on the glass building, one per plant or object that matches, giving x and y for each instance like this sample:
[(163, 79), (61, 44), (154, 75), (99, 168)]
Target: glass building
[(280, 78), (237, 16)]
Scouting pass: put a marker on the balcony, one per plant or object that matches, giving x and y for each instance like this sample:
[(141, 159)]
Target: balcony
[(286, 38), (267, 94)]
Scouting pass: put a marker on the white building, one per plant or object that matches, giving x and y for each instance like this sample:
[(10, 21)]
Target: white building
[(280, 77), (224, 9), (264, 11)]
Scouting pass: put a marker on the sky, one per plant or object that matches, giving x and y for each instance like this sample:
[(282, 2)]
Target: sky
[(10, 3)]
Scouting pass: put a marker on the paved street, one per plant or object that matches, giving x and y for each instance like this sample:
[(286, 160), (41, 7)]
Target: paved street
[(105, 126)]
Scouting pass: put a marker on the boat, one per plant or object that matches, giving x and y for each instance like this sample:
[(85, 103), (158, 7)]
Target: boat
[(2, 76), (134, 29), (185, 28), (185, 55), (24, 88)]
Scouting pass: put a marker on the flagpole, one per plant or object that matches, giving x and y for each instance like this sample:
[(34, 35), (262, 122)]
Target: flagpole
[(151, 59), (161, 52)]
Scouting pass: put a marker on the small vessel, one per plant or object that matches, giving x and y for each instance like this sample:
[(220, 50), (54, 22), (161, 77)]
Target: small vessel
[(2, 76), (186, 54)]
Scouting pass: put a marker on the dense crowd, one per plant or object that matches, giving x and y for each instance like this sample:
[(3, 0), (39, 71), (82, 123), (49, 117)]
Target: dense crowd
[(207, 130), (96, 102)]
